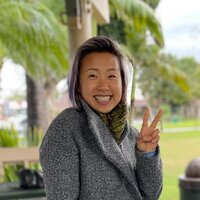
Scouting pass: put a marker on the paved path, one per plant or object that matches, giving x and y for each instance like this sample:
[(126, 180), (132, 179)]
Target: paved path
[(179, 130)]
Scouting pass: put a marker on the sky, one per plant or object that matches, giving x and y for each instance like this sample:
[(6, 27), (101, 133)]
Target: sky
[(180, 20), (12, 79)]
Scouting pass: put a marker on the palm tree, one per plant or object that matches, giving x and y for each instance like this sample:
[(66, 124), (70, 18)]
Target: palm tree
[(139, 17), (32, 36), (141, 36)]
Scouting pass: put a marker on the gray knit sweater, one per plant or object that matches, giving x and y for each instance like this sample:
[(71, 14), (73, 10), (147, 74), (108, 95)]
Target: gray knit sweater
[(81, 160)]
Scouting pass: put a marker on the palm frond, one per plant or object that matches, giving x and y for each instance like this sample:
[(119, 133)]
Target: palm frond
[(140, 16), (34, 37), (173, 73)]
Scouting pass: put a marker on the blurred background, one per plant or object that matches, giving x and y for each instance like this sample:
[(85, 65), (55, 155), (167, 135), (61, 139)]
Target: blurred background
[(38, 40)]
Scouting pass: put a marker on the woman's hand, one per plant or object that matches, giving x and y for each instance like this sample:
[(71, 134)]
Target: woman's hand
[(149, 135)]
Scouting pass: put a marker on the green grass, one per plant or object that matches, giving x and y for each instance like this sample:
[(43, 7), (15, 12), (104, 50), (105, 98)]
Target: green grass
[(177, 150), (181, 123)]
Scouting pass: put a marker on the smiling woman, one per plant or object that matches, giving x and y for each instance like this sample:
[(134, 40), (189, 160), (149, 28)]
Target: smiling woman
[(100, 81), (90, 151)]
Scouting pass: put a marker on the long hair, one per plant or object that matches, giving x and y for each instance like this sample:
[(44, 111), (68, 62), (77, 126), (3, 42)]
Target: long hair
[(94, 44)]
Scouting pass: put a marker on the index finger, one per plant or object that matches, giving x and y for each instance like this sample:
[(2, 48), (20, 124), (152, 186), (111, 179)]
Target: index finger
[(146, 117), (156, 119)]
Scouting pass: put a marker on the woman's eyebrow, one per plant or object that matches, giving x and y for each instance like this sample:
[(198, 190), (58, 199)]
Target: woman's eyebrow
[(96, 69), (92, 69), (112, 69)]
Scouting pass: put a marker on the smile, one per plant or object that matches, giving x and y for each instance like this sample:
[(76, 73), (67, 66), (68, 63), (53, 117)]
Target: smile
[(102, 98)]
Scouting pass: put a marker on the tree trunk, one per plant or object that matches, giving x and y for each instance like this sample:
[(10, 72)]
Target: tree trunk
[(37, 108), (50, 93)]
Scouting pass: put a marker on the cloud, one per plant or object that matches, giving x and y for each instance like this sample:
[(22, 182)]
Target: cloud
[(180, 21), (12, 79)]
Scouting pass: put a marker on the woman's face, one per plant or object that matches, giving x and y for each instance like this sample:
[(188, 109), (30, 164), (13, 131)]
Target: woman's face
[(100, 81)]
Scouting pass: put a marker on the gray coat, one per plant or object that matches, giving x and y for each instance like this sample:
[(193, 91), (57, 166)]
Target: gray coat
[(81, 160)]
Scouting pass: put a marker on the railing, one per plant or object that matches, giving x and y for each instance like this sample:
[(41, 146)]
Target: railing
[(23, 156)]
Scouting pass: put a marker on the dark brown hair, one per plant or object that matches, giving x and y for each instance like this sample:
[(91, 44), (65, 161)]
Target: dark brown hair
[(94, 44)]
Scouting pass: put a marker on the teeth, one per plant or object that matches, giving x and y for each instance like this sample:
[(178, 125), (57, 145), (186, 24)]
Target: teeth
[(102, 98)]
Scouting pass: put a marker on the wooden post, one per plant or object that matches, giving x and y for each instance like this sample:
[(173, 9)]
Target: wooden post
[(80, 13)]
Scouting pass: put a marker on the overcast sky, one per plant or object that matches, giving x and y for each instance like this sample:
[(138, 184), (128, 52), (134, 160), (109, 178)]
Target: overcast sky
[(12, 79), (180, 21)]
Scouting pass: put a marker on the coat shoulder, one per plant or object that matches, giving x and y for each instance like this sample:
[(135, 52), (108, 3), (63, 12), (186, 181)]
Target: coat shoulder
[(68, 119)]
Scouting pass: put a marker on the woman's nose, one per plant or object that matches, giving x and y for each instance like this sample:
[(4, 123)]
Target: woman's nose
[(102, 85)]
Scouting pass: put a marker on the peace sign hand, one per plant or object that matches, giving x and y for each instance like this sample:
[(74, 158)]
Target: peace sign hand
[(149, 135)]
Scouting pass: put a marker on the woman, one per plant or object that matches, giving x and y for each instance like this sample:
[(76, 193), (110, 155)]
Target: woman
[(90, 152)]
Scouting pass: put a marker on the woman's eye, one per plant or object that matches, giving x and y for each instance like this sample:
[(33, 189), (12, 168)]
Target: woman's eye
[(112, 76), (92, 76)]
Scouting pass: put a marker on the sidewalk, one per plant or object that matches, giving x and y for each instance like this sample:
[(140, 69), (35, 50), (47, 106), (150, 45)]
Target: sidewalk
[(180, 130)]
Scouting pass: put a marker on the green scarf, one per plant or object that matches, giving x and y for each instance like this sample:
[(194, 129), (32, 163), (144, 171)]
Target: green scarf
[(116, 120)]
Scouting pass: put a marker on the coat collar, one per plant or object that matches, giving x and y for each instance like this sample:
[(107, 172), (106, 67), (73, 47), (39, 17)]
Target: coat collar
[(106, 142)]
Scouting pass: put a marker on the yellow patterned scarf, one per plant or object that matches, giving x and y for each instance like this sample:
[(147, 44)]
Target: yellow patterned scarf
[(116, 120)]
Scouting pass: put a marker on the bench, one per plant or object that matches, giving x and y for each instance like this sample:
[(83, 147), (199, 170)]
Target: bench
[(16, 155)]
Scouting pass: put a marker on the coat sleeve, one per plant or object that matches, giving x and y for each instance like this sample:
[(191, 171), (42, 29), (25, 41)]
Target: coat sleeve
[(149, 175), (60, 163)]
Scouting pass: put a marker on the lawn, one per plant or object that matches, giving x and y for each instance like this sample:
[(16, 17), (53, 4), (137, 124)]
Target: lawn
[(177, 150), (181, 123), (167, 124)]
